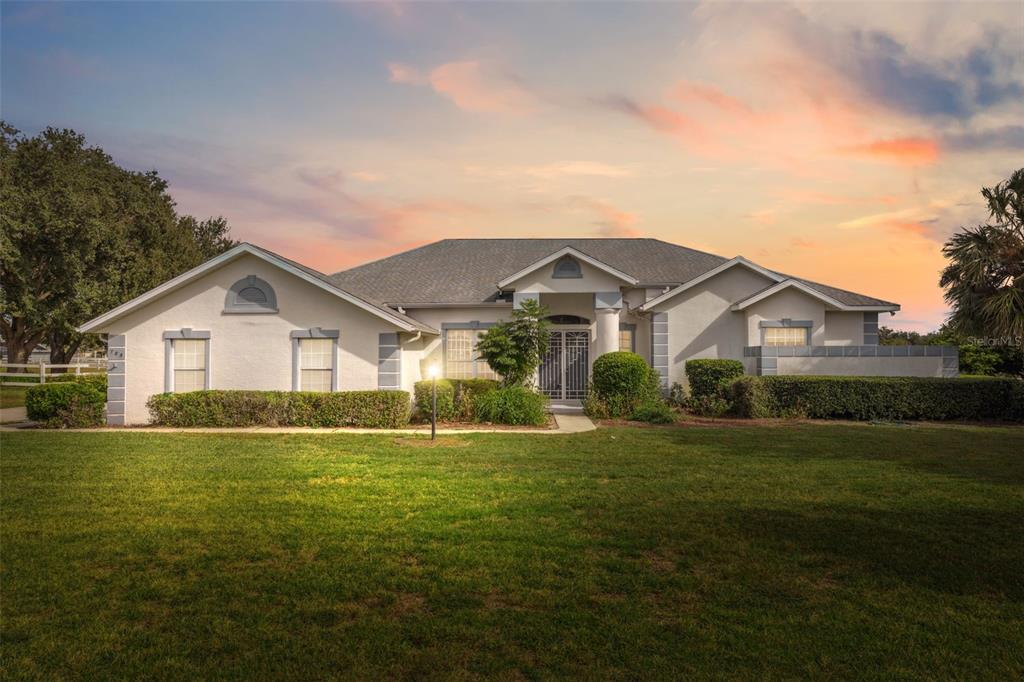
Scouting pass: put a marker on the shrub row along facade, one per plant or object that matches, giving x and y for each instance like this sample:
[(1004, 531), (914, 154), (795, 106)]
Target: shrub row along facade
[(251, 319)]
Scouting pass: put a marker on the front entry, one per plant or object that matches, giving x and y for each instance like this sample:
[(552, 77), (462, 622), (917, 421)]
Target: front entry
[(565, 368)]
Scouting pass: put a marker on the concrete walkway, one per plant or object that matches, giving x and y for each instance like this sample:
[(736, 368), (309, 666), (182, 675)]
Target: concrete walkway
[(12, 414), (565, 423)]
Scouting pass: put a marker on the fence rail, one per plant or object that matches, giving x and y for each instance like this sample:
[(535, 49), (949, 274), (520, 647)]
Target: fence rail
[(37, 373)]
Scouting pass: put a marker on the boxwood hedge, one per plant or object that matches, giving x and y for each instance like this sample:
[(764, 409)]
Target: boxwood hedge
[(621, 381), (456, 398), (708, 376), (883, 398), (67, 404), (367, 409)]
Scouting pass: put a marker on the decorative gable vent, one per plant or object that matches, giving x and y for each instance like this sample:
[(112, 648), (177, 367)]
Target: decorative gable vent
[(250, 295), (567, 267)]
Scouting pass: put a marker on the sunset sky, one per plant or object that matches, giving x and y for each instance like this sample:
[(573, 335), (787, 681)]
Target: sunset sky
[(841, 142)]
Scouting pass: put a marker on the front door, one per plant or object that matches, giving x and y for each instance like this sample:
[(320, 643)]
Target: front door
[(564, 369)]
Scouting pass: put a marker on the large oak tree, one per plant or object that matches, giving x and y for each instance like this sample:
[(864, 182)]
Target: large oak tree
[(80, 235)]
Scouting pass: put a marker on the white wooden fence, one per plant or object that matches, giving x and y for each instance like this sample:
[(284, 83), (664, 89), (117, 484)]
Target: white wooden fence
[(39, 371)]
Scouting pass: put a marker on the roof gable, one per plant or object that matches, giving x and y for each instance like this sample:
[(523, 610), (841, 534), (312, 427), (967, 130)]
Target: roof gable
[(309, 275), (813, 293), (727, 265), (561, 253)]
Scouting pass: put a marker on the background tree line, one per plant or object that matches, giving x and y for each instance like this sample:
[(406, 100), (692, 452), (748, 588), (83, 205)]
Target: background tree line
[(80, 235)]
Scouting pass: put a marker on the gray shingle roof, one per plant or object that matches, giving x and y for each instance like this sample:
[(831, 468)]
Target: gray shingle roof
[(416, 324), (468, 270)]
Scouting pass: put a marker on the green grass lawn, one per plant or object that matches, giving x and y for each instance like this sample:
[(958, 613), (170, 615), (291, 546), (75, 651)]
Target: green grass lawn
[(12, 396), (812, 551)]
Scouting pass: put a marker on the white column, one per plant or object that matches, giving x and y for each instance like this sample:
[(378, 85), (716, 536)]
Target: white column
[(607, 331)]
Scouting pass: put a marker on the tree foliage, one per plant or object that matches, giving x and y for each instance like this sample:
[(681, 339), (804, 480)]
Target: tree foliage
[(984, 280), (81, 235), (514, 349), (977, 356)]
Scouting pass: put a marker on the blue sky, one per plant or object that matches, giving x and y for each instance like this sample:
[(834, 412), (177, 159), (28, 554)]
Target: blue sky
[(839, 141)]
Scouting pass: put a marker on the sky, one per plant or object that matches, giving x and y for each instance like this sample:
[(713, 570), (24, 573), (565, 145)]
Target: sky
[(841, 142)]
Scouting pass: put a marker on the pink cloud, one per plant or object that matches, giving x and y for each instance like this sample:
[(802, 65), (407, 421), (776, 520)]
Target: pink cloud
[(912, 151), (403, 73), (610, 220), (473, 87), (689, 92)]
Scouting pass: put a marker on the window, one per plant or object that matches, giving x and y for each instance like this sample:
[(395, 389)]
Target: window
[(316, 364), (189, 365), (786, 336), (567, 268), (627, 338), (460, 358), (567, 319), (250, 295)]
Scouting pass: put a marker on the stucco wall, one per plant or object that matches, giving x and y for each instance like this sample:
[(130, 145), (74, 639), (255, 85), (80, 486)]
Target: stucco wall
[(844, 329), (701, 324), (879, 367), (250, 351), (789, 303)]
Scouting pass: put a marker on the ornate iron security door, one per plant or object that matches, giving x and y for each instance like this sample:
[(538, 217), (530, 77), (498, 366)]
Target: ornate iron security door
[(564, 370)]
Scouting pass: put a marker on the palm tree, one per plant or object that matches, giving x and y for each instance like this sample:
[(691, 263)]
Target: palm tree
[(984, 280)]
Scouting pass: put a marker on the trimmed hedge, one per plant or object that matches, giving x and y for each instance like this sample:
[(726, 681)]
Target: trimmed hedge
[(456, 398), (621, 381), (67, 404), (882, 398), (707, 376), (515, 405), (367, 409)]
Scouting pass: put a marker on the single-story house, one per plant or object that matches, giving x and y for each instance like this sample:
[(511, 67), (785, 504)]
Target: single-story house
[(251, 319)]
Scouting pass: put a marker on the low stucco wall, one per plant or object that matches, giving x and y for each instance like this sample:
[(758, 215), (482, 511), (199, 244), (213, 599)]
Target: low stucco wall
[(863, 366)]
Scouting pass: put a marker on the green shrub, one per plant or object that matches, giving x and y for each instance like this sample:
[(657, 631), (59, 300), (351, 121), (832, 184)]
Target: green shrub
[(422, 392), (367, 409), (97, 380), (706, 377), (621, 382), (66, 404), (512, 405), (748, 397), (677, 395), (654, 412), (594, 407), (713, 406), (881, 398), (456, 398)]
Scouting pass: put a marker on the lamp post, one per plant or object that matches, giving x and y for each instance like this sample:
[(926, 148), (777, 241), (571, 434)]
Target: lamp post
[(433, 372)]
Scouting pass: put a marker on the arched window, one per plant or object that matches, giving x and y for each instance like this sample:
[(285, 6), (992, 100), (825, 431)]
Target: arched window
[(250, 295), (567, 267), (567, 319)]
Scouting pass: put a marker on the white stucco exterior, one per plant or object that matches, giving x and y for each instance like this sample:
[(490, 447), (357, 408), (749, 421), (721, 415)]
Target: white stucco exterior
[(722, 314), (246, 351)]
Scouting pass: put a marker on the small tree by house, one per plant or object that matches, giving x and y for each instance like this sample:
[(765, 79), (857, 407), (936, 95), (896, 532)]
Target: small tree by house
[(514, 349)]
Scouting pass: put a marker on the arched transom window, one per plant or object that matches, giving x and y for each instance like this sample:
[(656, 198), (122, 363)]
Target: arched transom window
[(250, 295)]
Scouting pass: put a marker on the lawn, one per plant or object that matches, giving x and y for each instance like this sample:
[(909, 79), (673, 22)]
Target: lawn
[(12, 396), (821, 551)]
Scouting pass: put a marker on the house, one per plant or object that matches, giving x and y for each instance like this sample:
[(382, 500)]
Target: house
[(251, 319)]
